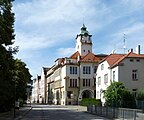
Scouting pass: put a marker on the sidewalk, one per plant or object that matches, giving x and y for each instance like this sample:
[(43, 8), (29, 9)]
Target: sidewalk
[(19, 113)]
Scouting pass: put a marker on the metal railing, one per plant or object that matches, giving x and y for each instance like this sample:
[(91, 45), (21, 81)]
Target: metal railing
[(113, 112)]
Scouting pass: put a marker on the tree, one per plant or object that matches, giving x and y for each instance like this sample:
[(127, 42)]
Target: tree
[(23, 77), (140, 95), (140, 99), (6, 23), (6, 58), (14, 75), (117, 95)]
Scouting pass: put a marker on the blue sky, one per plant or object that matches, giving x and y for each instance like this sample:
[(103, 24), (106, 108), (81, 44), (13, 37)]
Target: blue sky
[(46, 29)]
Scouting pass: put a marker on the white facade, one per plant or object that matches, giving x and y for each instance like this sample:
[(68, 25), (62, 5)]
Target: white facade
[(127, 69), (35, 90), (42, 87), (102, 84)]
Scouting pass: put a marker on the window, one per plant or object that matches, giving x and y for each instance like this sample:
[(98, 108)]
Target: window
[(131, 60), (134, 92), (73, 70), (94, 93), (86, 82), (113, 75), (78, 47), (138, 60), (99, 81), (94, 81), (73, 82), (95, 69), (102, 66), (82, 37), (106, 78), (135, 74), (86, 70)]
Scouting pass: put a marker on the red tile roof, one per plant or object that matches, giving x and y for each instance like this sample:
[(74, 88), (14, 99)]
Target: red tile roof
[(129, 55), (75, 55), (90, 57), (115, 59)]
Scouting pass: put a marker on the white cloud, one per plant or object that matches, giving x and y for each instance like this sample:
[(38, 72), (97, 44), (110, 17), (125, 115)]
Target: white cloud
[(27, 41), (133, 37), (40, 11), (44, 25), (65, 52)]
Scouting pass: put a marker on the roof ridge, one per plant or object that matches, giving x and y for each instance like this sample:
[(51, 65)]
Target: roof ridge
[(88, 54), (74, 54)]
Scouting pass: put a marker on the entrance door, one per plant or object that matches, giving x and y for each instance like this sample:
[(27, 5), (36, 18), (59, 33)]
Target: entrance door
[(86, 94)]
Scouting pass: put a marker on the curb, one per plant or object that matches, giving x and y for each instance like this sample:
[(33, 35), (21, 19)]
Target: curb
[(21, 116)]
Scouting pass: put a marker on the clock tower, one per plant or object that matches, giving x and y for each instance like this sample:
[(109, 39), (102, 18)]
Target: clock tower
[(84, 41)]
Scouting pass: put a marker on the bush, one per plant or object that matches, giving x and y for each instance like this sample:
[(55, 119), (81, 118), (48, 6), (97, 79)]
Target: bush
[(90, 101), (140, 96)]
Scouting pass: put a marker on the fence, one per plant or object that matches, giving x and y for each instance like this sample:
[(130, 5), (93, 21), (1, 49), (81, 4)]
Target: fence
[(120, 113)]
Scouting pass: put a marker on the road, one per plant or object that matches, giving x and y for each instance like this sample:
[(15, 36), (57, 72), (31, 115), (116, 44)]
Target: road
[(53, 112)]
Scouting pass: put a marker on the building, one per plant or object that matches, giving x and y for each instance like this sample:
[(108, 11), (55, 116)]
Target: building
[(72, 78), (43, 85), (126, 68), (36, 90)]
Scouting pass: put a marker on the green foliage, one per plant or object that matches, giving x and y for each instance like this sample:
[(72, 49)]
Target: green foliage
[(6, 58), (117, 95), (6, 22), (114, 92), (140, 99), (140, 95), (22, 78), (12, 72), (90, 101)]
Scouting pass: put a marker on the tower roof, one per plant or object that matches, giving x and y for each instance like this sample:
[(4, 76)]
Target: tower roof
[(84, 30)]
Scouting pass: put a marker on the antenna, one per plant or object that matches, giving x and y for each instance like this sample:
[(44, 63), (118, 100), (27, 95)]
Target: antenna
[(124, 42)]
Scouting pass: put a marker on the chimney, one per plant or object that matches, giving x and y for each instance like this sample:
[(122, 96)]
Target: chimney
[(130, 50), (138, 49)]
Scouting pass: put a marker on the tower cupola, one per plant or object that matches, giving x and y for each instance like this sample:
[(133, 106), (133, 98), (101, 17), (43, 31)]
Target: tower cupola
[(84, 41)]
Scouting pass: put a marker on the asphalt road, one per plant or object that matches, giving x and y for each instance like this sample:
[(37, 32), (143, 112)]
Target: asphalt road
[(48, 112)]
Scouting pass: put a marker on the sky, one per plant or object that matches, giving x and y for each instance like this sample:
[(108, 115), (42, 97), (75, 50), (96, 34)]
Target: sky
[(46, 29)]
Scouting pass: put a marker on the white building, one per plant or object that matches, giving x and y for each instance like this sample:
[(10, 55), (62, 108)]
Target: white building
[(43, 85), (35, 90), (125, 68), (73, 78)]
